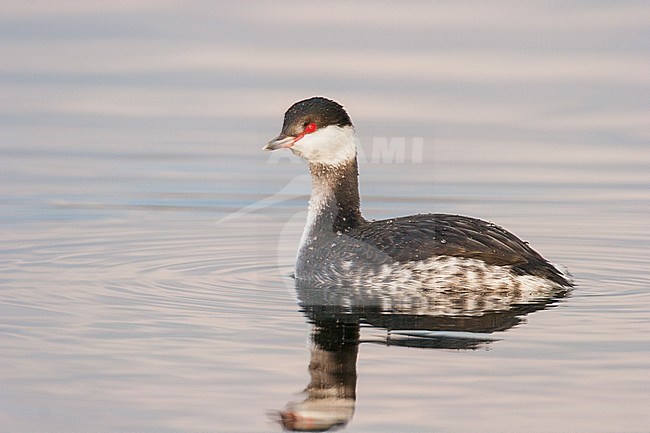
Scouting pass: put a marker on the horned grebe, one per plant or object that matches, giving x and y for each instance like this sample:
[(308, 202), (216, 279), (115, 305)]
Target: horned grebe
[(340, 247)]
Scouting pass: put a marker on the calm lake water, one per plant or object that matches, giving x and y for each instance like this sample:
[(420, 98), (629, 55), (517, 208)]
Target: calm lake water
[(148, 242)]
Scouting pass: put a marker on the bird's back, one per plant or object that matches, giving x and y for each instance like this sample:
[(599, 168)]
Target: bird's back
[(425, 236)]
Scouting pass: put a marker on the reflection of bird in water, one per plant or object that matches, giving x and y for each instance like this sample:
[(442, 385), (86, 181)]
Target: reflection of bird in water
[(340, 247), (421, 277), (339, 314), (331, 393)]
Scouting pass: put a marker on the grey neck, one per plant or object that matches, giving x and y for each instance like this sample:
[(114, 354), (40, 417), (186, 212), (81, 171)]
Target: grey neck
[(334, 202)]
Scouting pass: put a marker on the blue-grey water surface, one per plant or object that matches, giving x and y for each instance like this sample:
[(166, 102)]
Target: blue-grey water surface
[(148, 242)]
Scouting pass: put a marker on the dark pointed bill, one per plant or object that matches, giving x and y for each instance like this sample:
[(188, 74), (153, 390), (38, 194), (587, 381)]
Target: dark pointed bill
[(282, 141)]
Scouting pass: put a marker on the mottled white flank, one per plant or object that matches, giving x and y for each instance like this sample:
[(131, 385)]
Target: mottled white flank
[(440, 285), (346, 265), (332, 145)]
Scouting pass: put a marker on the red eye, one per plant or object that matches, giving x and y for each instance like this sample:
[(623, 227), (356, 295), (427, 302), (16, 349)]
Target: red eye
[(310, 128)]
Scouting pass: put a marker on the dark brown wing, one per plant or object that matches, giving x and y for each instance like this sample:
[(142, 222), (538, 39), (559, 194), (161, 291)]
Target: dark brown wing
[(420, 237)]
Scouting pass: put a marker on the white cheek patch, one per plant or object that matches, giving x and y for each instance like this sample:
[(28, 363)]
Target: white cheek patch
[(331, 145)]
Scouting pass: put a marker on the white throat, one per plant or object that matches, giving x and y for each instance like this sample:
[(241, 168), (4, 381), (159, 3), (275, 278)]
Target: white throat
[(332, 145)]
